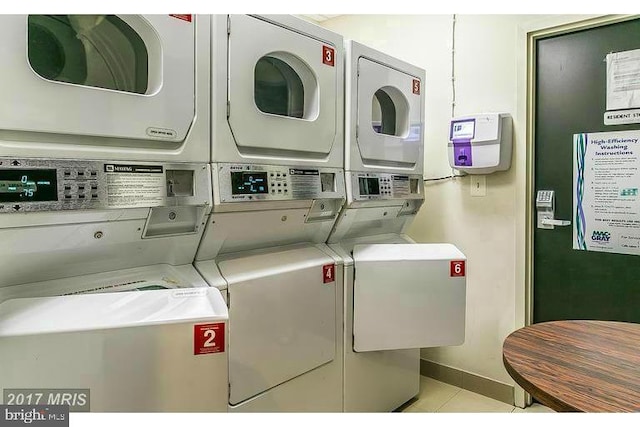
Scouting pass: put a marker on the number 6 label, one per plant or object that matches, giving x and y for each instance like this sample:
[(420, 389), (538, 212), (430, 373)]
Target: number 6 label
[(208, 338), (457, 268), (328, 56)]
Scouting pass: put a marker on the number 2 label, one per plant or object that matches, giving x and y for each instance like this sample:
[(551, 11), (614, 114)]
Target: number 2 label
[(208, 338), (328, 56)]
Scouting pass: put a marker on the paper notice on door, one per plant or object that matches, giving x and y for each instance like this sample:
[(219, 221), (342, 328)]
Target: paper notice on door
[(606, 198), (623, 80)]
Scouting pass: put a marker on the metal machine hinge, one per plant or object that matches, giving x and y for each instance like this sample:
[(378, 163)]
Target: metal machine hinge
[(357, 130), (228, 109)]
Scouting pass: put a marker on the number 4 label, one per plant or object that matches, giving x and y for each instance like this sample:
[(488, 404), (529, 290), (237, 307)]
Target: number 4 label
[(457, 268), (329, 273), (208, 338), (328, 56)]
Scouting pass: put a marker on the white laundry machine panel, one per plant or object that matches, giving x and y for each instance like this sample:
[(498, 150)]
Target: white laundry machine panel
[(105, 86), (279, 100), (282, 311), (408, 296), (384, 118), (63, 218), (150, 339)]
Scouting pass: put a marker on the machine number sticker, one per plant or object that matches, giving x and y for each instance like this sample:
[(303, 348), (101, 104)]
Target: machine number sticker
[(208, 338), (416, 86), (187, 18), (328, 56), (457, 268), (329, 273)]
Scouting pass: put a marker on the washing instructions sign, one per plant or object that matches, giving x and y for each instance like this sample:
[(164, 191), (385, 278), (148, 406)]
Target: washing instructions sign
[(606, 198)]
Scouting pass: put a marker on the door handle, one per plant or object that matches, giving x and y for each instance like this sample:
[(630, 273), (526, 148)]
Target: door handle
[(555, 222)]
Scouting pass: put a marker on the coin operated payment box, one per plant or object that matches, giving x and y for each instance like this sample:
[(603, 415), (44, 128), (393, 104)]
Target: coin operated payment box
[(481, 143)]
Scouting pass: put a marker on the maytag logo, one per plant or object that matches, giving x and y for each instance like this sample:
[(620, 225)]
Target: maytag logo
[(117, 168), (601, 236), (35, 415)]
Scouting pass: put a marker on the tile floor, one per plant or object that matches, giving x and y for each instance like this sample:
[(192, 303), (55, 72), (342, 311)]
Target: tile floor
[(436, 396)]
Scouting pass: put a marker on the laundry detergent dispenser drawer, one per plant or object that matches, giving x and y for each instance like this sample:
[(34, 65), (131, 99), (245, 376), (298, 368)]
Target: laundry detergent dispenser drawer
[(145, 351), (282, 315), (408, 296)]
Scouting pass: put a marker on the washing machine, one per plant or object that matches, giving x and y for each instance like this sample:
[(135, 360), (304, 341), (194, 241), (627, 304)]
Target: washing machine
[(105, 188), (277, 172), (116, 87), (399, 296), (99, 299)]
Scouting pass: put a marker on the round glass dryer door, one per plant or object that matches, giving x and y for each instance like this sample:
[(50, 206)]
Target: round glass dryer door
[(89, 50), (389, 116), (284, 97), (113, 79)]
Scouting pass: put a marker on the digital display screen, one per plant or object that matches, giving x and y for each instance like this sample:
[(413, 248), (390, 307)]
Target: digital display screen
[(463, 129), (249, 183), (28, 185), (369, 186)]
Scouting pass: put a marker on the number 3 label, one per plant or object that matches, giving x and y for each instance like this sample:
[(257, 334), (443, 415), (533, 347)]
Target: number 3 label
[(328, 56), (416, 86), (208, 338), (457, 268)]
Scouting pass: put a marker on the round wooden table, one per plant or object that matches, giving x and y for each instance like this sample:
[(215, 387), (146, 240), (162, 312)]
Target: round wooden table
[(577, 365)]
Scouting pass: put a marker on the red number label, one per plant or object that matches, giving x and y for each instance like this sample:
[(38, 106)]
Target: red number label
[(328, 56), (457, 268), (187, 18), (328, 273), (208, 338), (416, 86)]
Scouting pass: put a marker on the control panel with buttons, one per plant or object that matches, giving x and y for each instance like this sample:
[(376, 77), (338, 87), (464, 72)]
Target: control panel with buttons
[(248, 182), (40, 185), (386, 186)]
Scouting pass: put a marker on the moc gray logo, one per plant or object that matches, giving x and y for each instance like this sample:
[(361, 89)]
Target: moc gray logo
[(34, 415)]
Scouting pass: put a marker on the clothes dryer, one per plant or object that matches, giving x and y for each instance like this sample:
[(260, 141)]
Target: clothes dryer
[(277, 91), (118, 87)]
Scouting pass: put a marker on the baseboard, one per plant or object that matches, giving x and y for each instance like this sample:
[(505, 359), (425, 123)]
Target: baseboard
[(475, 383)]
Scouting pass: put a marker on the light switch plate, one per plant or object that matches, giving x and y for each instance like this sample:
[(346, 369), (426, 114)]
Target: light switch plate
[(478, 185)]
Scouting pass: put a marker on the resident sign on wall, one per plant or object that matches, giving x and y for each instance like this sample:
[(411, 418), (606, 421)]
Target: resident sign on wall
[(606, 199)]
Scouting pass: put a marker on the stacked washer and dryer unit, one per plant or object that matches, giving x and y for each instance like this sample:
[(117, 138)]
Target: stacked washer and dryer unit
[(104, 193), (278, 186), (399, 296)]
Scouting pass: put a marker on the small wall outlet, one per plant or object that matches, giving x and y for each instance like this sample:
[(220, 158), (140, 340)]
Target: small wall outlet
[(478, 185)]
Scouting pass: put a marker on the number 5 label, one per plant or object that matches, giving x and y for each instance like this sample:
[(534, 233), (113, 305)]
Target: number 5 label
[(208, 338), (328, 56), (457, 268)]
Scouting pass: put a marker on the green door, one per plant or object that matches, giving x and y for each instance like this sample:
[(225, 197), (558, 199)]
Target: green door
[(570, 98)]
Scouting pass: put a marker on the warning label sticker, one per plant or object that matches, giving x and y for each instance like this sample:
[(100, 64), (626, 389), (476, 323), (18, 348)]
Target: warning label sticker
[(130, 186)]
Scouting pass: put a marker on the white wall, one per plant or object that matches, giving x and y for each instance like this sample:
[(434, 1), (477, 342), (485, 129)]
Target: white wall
[(484, 228)]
